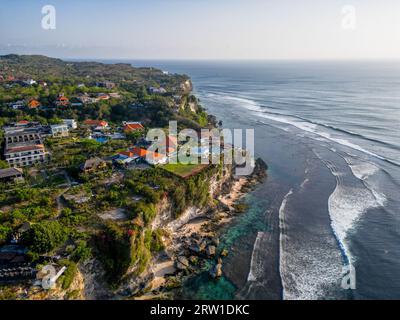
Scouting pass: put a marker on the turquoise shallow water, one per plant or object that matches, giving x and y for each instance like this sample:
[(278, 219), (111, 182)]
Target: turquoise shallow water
[(202, 286)]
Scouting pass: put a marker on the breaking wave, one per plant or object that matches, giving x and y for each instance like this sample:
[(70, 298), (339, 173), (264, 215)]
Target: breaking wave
[(256, 264)]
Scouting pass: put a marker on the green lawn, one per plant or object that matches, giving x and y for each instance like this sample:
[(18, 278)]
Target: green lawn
[(184, 170)]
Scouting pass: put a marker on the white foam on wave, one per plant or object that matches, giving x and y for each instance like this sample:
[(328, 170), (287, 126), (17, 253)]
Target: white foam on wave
[(363, 170), (256, 264), (282, 235), (346, 205), (243, 102), (306, 270)]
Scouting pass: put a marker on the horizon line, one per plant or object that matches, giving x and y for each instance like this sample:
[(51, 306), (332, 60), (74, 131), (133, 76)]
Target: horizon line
[(333, 59)]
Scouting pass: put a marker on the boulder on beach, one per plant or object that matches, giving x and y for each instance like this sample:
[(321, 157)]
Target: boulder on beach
[(194, 259), (194, 248), (224, 253), (210, 251), (215, 241), (182, 263), (216, 271)]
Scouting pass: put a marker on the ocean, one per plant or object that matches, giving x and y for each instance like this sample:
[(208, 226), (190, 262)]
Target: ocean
[(330, 134)]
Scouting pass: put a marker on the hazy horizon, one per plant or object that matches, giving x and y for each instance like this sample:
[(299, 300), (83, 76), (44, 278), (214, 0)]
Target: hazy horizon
[(250, 30)]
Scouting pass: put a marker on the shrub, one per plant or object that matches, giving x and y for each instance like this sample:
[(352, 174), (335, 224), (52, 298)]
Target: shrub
[(82, 251), (69, 273), (46, 236)]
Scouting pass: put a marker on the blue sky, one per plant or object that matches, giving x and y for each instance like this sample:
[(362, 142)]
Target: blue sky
[(203, 29)]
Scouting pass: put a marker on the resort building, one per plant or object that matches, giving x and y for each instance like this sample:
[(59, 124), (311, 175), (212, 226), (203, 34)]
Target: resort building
[(24, 145), (27, 155)]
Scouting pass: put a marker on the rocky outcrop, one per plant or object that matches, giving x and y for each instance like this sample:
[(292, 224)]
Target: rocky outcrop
[(186, 86)]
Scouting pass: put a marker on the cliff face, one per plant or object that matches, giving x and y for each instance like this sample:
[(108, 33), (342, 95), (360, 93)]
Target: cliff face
[(186, 86), (165, 213)]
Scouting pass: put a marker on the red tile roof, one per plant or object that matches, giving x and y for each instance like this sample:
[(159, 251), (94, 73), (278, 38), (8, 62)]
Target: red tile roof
[(133, 127), (143, 153), (100, 123), (33, 104)]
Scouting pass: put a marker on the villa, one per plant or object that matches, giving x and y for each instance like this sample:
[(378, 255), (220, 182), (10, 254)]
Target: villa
[(33, 104), (130, 126), (149, 156)]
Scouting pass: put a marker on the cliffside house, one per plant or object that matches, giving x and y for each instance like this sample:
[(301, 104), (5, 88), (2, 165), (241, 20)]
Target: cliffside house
[(11, 175), (149, 156), (59, 130), (94, 164), (160, 90), (33, 104)]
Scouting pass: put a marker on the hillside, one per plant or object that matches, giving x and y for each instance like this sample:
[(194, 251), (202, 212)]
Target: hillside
[(37, 66)]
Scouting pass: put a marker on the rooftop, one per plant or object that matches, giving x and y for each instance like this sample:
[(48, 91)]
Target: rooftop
[(25, 148), (10, 172)]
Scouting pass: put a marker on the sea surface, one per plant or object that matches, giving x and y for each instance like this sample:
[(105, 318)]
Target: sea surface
[(330, 134)]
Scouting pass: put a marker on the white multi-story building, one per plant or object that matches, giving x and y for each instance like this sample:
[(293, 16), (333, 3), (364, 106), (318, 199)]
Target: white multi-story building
[(24, 146), (71, 123), (59, 130)]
